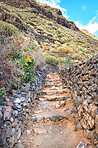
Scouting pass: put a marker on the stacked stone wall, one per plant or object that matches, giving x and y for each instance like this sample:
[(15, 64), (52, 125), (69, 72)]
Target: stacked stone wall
[(82, 79), (14, 111)]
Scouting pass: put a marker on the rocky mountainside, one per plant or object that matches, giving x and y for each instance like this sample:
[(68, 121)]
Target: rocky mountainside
[(37, 89), (52, 32), (85, 31), (42, 9)]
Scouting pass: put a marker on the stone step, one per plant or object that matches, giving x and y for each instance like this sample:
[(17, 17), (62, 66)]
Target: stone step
[(53, 77), (50, 92), (62, 91), (52, 116), (56, 88), (41, 93), (52, 80), (53, 83), (58, 92), (48, 85), (54, 97), (57, 85)]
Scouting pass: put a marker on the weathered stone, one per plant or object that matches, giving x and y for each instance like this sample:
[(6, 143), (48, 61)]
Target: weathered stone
[(24, 95), (39, 131), (94, 87), (96, 124), (19, 145), (83, 123), (26, 88), (1, 115), (97, 146), (7, 113), (81, 145), (88, 145), (87, 134), (85, 116), (78, 101), (53, 118), (33, 119), (3, 103), (78, 126), (66, 109), (60, 117), (57, 106), (22, 99), (45, 104), (90, 123), (73, 111), (17, 100), (19, 133), (90, 100), (96, 102), (15, 113), (9, 104)]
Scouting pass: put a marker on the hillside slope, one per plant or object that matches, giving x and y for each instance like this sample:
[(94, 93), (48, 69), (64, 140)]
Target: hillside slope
[(53, 32)]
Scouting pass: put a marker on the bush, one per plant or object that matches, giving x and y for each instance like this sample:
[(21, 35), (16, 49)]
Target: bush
[(7, 29), (27, 65), (68, 61), (46, 47), (53, 50), (64, 50), (77, 56), (2, 92), (51, 60)]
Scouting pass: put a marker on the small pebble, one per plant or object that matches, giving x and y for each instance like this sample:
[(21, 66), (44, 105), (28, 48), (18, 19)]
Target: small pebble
[(88, 145), (57, 106)]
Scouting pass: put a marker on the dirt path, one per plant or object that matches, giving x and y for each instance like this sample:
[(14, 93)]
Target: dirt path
[(51, 124)]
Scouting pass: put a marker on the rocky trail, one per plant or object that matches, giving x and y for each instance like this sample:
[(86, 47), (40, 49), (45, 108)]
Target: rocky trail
[(51, 123)]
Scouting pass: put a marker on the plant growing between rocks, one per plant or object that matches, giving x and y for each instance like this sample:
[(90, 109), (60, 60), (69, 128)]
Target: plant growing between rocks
[(68, 61), (2, 92), (27, 64)]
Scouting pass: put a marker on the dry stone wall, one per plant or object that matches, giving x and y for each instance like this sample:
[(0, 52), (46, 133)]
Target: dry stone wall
[(82, 79), (14, 110)]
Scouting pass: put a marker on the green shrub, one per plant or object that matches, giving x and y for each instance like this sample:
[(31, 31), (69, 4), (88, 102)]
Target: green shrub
[(63, 38), (51, 60), (68, 61), (2, 92), (53, 50), (64, 50), (8, 29), (77, 56), (82, 49)]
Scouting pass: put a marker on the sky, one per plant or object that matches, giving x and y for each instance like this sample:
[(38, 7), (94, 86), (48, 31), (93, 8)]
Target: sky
[(84, 13)]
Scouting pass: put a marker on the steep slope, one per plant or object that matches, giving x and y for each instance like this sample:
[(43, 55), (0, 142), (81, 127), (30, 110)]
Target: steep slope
[(86, 32), (44, 10), (53, 32)]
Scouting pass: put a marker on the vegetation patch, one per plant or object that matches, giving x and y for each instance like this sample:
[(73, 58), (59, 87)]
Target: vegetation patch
[(8, 29), (64, 50), (51, 60), (2, 92)]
